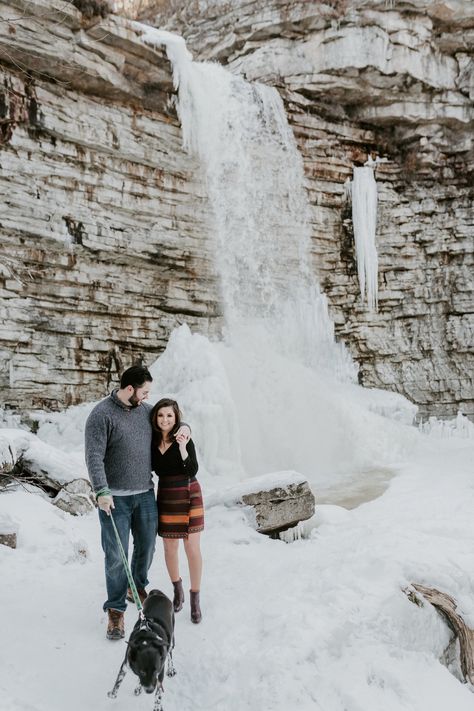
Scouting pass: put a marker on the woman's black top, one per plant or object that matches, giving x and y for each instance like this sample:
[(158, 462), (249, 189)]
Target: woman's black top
[(171, 462)]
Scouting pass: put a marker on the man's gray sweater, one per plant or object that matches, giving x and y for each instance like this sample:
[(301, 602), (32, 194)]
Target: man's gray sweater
[(118, 446)]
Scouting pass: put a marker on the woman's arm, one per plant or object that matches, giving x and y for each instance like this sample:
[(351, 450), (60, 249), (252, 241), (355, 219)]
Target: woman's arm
[(188, 454)]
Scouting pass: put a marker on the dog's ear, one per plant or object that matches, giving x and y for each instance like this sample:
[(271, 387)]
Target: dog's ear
[(131, 653), (157, 643)]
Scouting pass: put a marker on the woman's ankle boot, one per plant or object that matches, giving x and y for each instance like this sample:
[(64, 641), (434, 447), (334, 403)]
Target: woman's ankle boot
[(196, 615), (178, 598)]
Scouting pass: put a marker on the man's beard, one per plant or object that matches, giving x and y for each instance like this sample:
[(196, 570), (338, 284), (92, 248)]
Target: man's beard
[(133, 400)]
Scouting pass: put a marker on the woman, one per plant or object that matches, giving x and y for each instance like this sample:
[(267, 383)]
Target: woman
[(180, 506)]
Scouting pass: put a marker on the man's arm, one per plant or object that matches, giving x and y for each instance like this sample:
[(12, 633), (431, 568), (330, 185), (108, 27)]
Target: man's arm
[(96, 437)]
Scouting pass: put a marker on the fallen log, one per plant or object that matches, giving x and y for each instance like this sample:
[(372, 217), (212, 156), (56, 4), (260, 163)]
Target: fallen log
[(447, 606), (28, 462)]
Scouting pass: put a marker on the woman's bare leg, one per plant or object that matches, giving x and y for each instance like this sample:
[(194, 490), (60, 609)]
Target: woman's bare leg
[(171, 557), (192, 548)]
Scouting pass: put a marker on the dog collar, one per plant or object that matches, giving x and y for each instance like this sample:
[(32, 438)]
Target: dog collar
[(151, 627)]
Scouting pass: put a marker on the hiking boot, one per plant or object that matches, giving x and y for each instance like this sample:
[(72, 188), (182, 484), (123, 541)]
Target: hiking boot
[(178, 598), (116, 624), (142, 594), (196, 615)]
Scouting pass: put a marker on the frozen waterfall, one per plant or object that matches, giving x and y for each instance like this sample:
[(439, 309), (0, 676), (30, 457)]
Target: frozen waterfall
[(277, 392), (255, 182)]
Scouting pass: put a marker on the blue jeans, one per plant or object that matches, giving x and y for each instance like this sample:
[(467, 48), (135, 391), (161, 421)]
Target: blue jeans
[(137, 514)]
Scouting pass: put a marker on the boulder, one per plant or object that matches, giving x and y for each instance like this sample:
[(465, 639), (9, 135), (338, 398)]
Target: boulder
[(75, 498), (8, 539), (8, 531), (281, 507), (274, 502)]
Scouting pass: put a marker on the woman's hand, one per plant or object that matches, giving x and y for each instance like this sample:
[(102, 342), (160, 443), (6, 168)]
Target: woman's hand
[(183, 435), (182, 438)]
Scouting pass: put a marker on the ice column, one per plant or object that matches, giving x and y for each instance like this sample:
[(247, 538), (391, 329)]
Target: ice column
[(364, 220)]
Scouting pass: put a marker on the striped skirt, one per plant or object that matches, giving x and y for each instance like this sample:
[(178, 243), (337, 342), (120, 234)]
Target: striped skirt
[(180, 507)]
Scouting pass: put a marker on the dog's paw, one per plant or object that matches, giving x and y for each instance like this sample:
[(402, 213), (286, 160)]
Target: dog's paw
[(112, 694), (170, 670), (138, 690)]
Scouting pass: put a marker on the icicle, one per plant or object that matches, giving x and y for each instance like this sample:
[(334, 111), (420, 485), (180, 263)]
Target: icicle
[(348, 189), (364, 219)]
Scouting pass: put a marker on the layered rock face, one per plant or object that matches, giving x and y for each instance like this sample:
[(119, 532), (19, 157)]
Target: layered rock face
[(394, 80), (105, 227), (104, 232)]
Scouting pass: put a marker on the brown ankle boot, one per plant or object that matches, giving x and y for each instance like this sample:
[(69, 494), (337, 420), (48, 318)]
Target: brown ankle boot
[(116, 624), (142, 594), (178, 598), (196, 615)]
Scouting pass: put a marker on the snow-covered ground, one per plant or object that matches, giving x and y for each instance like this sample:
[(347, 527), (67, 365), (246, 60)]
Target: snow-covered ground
[(320, 623)]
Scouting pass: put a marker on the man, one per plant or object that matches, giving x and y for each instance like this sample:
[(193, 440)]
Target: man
[(118, 437)]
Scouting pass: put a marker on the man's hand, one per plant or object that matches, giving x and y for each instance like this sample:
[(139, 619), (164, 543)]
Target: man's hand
[(105, 502)]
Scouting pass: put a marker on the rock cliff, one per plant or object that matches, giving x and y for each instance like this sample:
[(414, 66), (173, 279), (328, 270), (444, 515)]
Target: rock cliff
[(105, 221), (103, 218), (394, 80)]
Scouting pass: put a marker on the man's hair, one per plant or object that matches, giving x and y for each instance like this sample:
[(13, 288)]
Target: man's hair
[(136, 376)]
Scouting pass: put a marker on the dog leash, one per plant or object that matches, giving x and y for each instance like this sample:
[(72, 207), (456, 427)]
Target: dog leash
[(131, 582)]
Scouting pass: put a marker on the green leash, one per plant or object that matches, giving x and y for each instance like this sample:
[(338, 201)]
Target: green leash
[(131, 582)]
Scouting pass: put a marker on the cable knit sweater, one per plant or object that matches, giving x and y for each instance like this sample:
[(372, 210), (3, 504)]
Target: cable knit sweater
[(118, 446)]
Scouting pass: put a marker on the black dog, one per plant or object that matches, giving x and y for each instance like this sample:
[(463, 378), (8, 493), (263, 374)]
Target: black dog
[(151, 643)]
